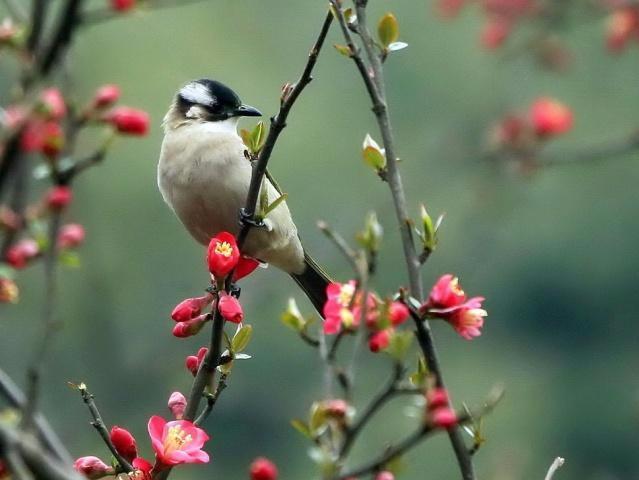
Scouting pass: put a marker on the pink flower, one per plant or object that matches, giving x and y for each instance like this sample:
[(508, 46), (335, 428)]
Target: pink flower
[(193, 362), (129, 121), (53, 103), (222, 255), (495, 32), (177, 405), (59, 197), (446, 293), (263, 469), (379, 341), (385, 475), (398, 313), (190, 308), (177, 442), (443, 417), (190, 327), (338, 307), (337, 408), (468, 318), (42, 136), (124, 443), (550, 117), (621, 25), (122, 5), (71, 236), (230, 308), (436, 398), (92, 467), (106, 96), (19, 254)]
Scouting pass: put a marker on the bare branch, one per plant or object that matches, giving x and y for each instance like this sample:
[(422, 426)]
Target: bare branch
[(556, 465)]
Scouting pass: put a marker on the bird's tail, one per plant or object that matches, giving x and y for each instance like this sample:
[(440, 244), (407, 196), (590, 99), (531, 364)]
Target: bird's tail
[(313, 281)]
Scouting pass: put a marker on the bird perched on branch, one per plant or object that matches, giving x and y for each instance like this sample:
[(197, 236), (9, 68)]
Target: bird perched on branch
[(204, 176)]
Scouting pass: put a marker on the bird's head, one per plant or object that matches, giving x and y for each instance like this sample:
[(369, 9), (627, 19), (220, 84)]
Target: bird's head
[(207, 100)]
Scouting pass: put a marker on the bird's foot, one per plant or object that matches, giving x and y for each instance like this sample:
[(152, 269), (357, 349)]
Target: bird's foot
[(248, 220)]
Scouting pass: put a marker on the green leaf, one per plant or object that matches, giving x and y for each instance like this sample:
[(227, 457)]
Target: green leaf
[(301, 427), (399, 344), (246, 138), (274, 205), (371, 237), (257, 137), (374, 158), (292, 317), (317, 418), (241, 338), (388, 30), (69, 259), (344, 50)]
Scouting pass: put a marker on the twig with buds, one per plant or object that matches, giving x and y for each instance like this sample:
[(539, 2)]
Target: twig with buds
[(373, 77), (99, 425)]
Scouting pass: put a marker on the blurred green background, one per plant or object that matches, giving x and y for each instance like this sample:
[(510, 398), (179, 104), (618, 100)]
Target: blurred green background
[(554, 254)]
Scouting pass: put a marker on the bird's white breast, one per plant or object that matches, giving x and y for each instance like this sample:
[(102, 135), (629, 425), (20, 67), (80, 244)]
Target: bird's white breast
[(204, 178)]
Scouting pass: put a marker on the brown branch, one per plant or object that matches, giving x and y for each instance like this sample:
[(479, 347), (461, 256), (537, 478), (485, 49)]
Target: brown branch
[(98, 424), (376, 89), (278, 123), (211, 399), (67, 25)]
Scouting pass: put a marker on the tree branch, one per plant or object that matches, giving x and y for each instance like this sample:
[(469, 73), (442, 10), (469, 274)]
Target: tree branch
[(376, 89), (99, 425)]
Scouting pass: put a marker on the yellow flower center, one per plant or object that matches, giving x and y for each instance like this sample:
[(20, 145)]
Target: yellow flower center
[(454, 286), (175, 439), (224, 248), (346, 294)]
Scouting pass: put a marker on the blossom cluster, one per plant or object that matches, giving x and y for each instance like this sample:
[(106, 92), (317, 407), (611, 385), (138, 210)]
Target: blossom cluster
[(174, 442)]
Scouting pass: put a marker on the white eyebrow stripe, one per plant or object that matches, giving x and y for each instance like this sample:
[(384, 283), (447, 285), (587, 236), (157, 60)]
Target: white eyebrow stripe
[(197, 93)]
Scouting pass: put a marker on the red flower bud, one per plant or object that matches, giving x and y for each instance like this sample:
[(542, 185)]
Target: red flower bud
[(106, 95), (193, 362), (92, 467), (436, 398), (444, 417), (124, 443), (336, 408), (53, 103), (385, 475), (379, 340), (222, 255), (495, 33), (59, 197), (263, 469), (143, 467), (190, 308), (19, 254), (190, 327), (177, 405), (398, 313), (230, 308), (122, 5), (40, 136), (71, 236), (129, 120), (550, 117)]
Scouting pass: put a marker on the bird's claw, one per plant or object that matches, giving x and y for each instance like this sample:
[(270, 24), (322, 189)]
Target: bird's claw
[(248, 220)]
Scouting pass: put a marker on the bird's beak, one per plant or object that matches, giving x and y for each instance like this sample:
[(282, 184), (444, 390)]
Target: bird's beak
[(247, 111)]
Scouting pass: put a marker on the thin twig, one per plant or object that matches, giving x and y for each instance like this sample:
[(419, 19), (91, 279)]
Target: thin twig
[(416, 437), (49, 324), (373, 78), (278, 123), (211, 399), (101, 428), (67, 26), (38, 15), (556, 465), (389, 391)]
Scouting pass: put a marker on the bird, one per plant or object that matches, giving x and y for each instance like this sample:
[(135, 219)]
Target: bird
[(203, 175)]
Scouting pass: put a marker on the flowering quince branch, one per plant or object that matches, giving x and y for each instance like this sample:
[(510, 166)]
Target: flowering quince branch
[(99, 425), (373, 77)]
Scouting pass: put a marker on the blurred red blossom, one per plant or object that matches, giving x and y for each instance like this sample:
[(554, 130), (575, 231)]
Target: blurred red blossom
[(59, 197), (9, 292), (106, 96), (92, 467), (52, 103), (263, 469), (550, 117), (129, 121), (19, 254), (190, 308), (71, 236), (379, 341), (122, 5)]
